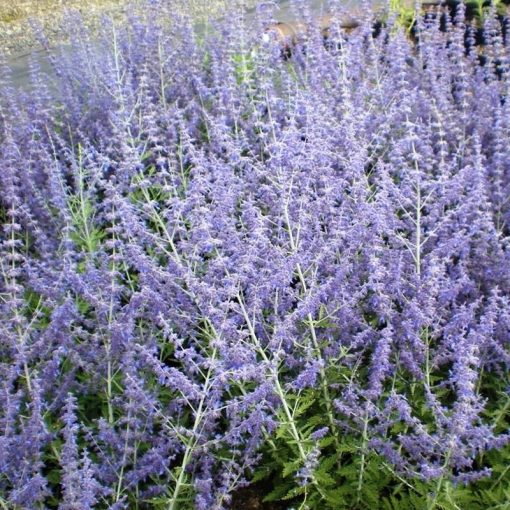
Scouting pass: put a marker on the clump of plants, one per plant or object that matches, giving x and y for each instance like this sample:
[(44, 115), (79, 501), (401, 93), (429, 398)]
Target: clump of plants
[(219, 267)]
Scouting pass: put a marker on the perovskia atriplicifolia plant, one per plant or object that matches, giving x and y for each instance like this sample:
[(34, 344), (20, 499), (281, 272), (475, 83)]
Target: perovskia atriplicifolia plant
[(223, 266)]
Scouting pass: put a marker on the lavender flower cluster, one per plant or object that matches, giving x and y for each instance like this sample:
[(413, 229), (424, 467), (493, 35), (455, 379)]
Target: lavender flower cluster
[(198, 233)]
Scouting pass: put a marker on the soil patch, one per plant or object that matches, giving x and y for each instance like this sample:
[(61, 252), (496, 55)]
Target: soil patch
[(16, 34)]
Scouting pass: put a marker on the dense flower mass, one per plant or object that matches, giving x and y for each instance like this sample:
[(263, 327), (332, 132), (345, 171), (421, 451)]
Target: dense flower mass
[(220, 264)]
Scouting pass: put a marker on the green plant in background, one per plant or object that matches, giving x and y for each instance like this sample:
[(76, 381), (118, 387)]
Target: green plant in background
[(406, 11), (476, 10), (481, 8)]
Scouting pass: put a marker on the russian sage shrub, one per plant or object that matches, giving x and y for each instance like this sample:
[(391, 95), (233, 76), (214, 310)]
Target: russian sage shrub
[(223, 265)]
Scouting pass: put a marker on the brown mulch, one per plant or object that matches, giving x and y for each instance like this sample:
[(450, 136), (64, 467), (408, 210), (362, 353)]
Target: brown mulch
[(252, 498)]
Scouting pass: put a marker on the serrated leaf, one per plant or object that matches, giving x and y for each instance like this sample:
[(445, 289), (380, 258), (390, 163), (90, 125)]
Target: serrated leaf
[(290, 468), (277, 493)]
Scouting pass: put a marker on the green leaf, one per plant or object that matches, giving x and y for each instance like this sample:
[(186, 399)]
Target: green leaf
[(278, 493), (290, 468)]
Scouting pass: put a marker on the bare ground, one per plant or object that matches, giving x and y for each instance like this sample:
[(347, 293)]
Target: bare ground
[(16, 16)]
